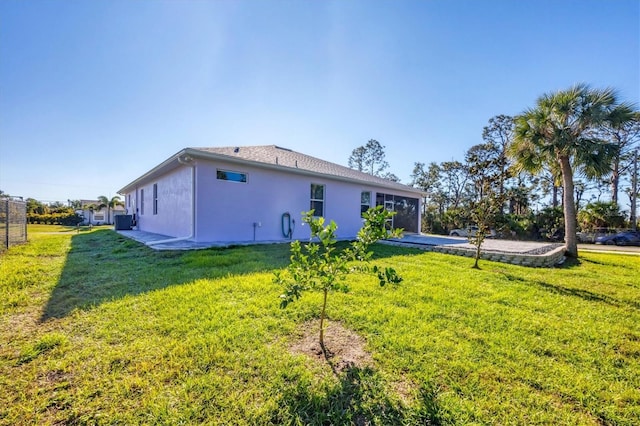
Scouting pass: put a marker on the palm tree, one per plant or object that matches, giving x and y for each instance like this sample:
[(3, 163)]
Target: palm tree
[(109, 204), (560, 130), (91, 207)]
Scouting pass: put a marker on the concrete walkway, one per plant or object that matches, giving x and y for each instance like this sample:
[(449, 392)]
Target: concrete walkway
[(507, 246), (151, 240)]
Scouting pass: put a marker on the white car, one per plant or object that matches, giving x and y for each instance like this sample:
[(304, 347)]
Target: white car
[(470, 231)]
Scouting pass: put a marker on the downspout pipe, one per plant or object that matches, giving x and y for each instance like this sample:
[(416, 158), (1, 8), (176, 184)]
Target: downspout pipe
[(186, 161)]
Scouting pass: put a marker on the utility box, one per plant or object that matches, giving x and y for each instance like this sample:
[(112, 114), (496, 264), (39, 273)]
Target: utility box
[(123, 222)]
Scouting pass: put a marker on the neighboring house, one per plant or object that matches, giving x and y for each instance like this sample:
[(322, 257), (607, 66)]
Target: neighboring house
[(257, 193), (97, 217)]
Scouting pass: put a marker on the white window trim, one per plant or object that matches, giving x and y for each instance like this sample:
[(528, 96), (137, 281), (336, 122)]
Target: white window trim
[(363, 204), (324, 197), (155, 198), (246, 176)]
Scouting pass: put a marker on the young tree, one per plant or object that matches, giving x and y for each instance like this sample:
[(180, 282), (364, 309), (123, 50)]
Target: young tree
[(369, 158), (483, 213), (559, 129), (319, 266)]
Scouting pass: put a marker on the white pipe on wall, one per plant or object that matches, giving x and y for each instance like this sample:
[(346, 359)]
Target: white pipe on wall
[(187, 161)]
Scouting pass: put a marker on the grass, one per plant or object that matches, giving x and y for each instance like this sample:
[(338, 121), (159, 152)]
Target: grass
[(96, 328)]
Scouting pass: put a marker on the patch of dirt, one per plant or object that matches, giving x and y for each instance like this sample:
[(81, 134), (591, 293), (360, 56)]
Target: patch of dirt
[(344, 348), (55, 376)]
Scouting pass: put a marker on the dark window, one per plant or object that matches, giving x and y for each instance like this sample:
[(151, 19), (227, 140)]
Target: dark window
[(317, 199), (406, 214), (365, 201), (231, 176), (142, 201), (406, 209), (155, 198)]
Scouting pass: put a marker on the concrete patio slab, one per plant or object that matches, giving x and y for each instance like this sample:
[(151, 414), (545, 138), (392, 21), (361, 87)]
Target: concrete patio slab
[(526, 253), (490, 244), (516, 252), (163, 242)]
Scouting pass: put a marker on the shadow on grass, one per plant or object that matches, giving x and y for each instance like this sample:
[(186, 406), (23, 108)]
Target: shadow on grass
[(583, 294), (359, 398), (588, 295), (103, 266)]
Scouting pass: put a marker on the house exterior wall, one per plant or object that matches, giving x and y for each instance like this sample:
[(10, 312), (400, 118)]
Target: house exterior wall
[(100, 217), (173, 216), (227, 210), (97, 217)]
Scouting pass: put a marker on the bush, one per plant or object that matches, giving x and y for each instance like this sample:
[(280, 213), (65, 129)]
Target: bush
[(600, 214), (65, 219)]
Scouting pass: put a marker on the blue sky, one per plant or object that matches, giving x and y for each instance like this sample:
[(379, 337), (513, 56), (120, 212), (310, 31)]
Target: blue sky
[(94, 94)]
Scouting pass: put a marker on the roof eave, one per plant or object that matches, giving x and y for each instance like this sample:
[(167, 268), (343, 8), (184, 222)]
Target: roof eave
[(162, 168)]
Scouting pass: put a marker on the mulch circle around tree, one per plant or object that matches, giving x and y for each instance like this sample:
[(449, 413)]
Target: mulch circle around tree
[(344, 347)]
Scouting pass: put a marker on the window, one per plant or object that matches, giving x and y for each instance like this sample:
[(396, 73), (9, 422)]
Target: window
[(317, 199), (98, 217), (128, 200), (407, 210), (365, 201), (231, 176), (155, 198), (142, 201)]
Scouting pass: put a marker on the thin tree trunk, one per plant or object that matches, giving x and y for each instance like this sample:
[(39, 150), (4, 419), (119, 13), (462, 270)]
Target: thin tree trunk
[(570, 220), (478, 251), (615, 181), (322, 315)]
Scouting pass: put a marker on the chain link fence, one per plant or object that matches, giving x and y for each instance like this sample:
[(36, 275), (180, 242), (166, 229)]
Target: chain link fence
[(13, 222)]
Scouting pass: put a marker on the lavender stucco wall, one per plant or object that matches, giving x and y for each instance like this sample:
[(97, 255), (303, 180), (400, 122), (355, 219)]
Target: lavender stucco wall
[(226, 211), (174, 204)]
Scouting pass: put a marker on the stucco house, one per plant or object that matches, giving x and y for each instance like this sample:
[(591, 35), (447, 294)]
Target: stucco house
[(257, 193), (94, 216)]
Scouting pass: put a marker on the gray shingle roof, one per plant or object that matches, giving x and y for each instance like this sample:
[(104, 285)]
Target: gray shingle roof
[(289, 159)]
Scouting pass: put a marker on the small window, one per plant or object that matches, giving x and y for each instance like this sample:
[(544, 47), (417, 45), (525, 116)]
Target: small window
[(142, 201), (155, 198), (317, 199), (231, 176), (128, 200), (98, 217), (365, 201)]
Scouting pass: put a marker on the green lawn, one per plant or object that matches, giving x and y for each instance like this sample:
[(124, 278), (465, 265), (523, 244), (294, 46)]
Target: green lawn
[(99, 329)]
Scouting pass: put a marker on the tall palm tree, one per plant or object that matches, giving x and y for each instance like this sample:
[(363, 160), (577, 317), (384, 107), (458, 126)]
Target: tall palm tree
[(91, 207), (560, 130), (104, 202)]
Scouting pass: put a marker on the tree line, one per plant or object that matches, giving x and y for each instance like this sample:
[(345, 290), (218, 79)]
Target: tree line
[(57, 213), (559, 166)]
